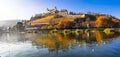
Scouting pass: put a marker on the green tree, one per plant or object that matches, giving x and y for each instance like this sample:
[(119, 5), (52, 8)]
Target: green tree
[(44, 27), (50, 27), (79, 20)]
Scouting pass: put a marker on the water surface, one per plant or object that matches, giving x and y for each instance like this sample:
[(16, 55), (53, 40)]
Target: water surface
[(59, 45)]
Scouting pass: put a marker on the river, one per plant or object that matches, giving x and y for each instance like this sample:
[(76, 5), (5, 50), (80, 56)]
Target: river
[(97, 44)]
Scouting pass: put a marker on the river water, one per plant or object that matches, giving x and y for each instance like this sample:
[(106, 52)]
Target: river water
[(59, 45)]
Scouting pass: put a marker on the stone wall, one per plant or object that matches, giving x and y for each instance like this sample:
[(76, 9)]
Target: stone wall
[(63, 13), (77, 16)]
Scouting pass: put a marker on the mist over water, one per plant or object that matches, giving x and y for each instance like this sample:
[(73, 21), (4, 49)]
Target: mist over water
[(9, 23)]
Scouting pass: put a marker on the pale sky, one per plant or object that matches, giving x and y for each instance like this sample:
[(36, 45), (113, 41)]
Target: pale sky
[(24, 9), (18, 9)]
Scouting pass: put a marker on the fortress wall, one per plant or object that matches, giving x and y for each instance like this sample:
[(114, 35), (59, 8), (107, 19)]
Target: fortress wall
[(63, 13), (77, 16)]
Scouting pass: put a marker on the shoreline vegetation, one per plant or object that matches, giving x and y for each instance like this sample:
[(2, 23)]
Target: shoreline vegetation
[(76, 31)]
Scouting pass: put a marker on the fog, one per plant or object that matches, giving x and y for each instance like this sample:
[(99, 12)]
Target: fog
[(8, 22)]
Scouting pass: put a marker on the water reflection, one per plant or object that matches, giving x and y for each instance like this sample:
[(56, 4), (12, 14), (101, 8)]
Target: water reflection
[(97, 44), (16, 37), (58, 41)]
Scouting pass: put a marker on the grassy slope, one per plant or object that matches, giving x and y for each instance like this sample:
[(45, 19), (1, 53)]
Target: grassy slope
[(43, 20), (49, 18)]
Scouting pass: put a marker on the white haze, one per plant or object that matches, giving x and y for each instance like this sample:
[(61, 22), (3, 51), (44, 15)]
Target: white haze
[(18, 9)]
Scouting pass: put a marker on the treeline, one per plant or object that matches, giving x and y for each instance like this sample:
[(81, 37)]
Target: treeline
[(90, 21), (107, 21)]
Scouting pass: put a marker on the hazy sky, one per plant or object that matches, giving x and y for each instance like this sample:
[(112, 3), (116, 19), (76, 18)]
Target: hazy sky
[(24, 9)]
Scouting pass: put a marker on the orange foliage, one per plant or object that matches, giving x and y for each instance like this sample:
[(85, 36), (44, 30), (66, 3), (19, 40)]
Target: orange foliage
[(115, 20), (103, 21), (55, 42), (100, 36), (57, 20), (65, 24)]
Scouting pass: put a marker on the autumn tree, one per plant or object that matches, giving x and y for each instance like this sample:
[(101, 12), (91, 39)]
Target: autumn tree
[(50, 27), (116, 22), (104, 22), (79, 20), (65, 24), (91, 17), (44, 27)]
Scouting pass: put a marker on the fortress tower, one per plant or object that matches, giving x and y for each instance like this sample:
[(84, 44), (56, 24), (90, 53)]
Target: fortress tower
[(52, 11)]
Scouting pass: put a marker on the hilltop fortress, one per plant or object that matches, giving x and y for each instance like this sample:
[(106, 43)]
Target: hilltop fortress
[(63, 12), (49, 17), (52, 17), (55, 11), (62, 19)]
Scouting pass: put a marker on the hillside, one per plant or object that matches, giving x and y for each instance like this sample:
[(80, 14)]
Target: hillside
[(63, 20), (43, 20), (49, 19)]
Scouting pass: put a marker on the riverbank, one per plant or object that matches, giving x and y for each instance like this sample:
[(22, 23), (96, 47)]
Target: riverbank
[(78, 31)]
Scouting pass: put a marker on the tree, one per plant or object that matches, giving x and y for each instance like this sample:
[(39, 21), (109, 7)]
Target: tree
[(50, 27), (44, 27), (65, 24), (116, 22), (104, 22), (72, 13), (91, 17), (79, 20)]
